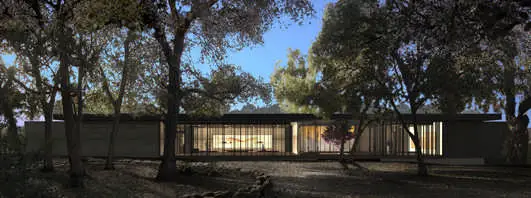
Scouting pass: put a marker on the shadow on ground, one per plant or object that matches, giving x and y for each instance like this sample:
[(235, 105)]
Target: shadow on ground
[(395, 180), (130, 180)]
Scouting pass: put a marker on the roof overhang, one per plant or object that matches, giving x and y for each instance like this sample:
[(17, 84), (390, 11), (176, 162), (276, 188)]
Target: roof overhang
[(282, 118)]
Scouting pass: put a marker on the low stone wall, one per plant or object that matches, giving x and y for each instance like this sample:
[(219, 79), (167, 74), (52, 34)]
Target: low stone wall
[(262, 188)]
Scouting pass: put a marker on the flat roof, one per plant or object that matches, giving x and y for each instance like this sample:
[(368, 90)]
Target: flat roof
[(278, 118)]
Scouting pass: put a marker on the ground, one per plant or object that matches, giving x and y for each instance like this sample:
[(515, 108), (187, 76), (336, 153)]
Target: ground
[(327, 179), (298, 179)]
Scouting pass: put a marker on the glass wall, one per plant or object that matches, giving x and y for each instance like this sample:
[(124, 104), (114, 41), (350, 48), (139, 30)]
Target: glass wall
[(310, 139), (385, 139), (238, 139), (430, 137)]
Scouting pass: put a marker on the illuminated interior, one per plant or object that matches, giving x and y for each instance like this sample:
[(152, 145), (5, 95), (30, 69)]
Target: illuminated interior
[(250, 142), (239, 138), (310, 140), (430, 139)]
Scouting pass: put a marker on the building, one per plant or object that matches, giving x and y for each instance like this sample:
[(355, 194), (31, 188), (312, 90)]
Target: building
[(281, 137)]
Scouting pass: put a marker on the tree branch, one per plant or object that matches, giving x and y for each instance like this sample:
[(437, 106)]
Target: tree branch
[(106, 85), (204, 93)]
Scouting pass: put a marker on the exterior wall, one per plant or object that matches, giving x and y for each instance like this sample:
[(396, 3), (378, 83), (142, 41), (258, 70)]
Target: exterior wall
[(135, 139), (470, 139), (391, 139), (35, 137)]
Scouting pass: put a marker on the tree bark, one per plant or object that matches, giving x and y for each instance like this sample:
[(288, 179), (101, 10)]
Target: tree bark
[(14, 140), (422, 170), (513, 150), (72, 138), (9, 114), (48, 128), (109, 165), (117, 104), (47, 107), (167, 168)]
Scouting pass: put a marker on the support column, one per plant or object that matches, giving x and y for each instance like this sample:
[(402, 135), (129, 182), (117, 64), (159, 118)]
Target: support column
[(294, 146), (188, 139), (288, 141)]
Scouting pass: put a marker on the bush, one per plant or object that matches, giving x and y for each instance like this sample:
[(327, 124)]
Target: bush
[(15, 171)]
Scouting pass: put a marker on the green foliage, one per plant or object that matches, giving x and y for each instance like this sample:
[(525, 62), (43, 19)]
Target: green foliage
[(294, 84), (16, 170), (456, 26), (214, 93)]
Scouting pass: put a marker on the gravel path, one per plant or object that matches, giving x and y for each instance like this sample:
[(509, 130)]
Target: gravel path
[(328, 179)]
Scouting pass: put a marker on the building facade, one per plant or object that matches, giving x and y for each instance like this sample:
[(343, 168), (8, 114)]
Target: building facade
[(281, 136)]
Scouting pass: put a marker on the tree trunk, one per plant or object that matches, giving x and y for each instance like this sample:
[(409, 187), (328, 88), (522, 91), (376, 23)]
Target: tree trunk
[(341, 148), (167, 168), (47, 107), (72, 136), (117, 104), (356, 138), (510, 108), (109, 165), (12, 134), (48, 121), (422, 170)]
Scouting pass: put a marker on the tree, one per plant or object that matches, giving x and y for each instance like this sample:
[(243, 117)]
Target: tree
[(29, 40), (126, 70), (251, 108), (508, 74), (71, 46), (312, 85), (456, 26), (216, 26), (10, 99), (337, 134), (373, 42), (460, 33), (294, 84)]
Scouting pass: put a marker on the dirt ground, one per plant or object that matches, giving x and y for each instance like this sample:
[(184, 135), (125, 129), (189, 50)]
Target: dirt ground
[(133, 179), (328, 179), (298, 179)]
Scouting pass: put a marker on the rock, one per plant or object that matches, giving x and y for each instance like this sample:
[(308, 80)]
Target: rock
[(261, 179), (222, 194), (258, 182), (192, 196), (214, 173), (244, 195)]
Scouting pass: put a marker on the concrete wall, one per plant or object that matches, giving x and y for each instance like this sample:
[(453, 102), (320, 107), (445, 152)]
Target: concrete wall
[(135, 139), (471, 139)]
